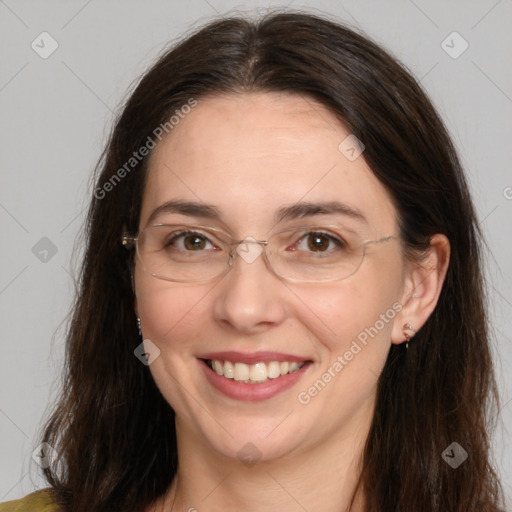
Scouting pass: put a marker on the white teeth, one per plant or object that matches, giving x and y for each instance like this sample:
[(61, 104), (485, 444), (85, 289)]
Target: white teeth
[(293, 366), (254, 373), (228, 370), (241, 371), (258, 372), (273, 370), (217, 366)]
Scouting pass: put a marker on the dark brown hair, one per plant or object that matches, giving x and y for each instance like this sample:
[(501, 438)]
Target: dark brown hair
[(112, 428)]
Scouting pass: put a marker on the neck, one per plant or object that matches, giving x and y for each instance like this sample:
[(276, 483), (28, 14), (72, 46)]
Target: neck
[(322, 478)]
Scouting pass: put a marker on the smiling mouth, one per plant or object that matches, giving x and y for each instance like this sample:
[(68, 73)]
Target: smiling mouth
[(253, 373)]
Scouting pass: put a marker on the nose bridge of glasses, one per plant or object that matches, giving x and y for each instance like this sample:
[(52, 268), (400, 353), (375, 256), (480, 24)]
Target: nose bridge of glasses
[(249, 249)]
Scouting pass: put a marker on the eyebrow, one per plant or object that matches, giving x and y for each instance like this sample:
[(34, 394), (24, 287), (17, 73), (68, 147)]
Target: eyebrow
[(294, 211), (309, 209), (189, 208)]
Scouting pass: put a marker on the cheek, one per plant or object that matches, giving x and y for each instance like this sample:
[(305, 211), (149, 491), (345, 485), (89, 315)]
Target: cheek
[(174, 318), (360, 310), (172, 314)]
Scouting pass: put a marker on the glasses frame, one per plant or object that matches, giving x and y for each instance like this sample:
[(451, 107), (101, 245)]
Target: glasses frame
[(130, 241)]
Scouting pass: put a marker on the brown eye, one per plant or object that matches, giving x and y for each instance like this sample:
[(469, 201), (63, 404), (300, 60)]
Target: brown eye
[(188, 241), (318, 242), (194, 242)]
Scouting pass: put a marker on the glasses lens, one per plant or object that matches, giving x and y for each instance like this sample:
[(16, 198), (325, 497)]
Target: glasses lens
[(181, 253), (315, 254)]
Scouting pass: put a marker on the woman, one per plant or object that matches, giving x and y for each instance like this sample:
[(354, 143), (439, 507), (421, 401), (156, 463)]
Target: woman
[(281, 303)]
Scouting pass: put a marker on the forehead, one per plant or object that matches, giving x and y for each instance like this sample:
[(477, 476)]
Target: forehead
[(250, 154)]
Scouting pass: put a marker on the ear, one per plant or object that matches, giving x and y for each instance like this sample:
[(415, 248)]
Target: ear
[(422, 286)]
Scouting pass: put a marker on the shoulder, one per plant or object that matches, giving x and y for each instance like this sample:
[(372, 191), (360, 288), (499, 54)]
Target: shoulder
[(39, 501)]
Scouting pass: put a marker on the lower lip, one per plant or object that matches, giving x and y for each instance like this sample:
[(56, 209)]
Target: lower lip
[(253, 392)]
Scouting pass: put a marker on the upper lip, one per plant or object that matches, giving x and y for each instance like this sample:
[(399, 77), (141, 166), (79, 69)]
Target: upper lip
[(251, 357)]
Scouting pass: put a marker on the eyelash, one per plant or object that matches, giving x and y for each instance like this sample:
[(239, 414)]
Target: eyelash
[(180, 234), (340, 243)]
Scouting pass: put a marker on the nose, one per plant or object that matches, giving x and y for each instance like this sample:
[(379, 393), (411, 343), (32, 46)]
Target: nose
[(250, 298)]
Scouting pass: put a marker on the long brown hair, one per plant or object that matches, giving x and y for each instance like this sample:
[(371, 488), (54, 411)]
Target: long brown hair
[(112, 428)]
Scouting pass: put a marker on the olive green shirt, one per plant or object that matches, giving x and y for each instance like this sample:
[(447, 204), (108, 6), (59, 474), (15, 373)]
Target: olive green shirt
[(39, 501)]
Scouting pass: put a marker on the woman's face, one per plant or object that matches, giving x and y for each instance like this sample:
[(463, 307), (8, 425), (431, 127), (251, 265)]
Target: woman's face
[(250, 157)]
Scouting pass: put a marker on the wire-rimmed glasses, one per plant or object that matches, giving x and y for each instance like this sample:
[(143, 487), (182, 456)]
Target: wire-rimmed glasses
[(192, 253)]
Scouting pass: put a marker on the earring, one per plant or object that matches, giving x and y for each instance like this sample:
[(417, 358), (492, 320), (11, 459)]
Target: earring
[(139, 326), (407, 336)]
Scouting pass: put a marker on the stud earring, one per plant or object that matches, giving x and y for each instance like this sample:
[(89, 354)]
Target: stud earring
[(139, 326), (408, 328)]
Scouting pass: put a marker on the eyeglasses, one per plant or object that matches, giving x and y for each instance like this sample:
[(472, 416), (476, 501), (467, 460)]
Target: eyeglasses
[(183, 253)]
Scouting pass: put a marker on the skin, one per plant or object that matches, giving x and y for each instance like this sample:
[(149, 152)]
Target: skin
[(249, 155)]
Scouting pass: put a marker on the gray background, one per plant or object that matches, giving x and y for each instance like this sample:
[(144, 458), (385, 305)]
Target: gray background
[(56, 113)]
